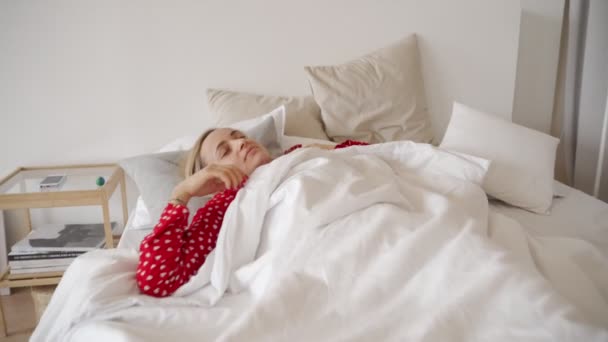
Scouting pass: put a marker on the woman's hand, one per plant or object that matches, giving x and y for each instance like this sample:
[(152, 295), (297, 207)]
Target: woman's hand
[(211, 179)]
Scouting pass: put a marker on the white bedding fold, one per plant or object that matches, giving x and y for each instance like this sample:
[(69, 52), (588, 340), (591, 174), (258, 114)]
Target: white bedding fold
[(384, 242)]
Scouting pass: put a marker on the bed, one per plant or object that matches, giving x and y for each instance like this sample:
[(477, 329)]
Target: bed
[(427, 234), (502, 297)]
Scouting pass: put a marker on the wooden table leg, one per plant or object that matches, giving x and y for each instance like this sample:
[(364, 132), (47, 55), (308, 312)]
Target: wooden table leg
[(28, 219), (123, 193), (3, 331), (107, 226)]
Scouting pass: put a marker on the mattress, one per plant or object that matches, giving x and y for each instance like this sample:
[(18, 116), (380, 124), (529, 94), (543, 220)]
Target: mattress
[(573, 214)]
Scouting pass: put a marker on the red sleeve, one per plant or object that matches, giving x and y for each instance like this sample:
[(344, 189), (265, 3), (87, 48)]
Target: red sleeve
[(172, 254), (348, 143), (293, 148)]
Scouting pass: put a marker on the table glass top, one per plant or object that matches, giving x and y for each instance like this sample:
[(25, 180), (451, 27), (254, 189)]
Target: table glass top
[(76, 179)]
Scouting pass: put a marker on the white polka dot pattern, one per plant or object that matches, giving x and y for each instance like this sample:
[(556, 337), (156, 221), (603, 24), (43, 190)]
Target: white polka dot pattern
[(173, 246)]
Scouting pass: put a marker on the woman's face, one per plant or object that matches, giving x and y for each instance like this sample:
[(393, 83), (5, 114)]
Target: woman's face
[(227, 146)]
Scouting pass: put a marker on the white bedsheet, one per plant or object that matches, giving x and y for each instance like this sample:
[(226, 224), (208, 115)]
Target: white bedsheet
[(573, 215), (384, 242)]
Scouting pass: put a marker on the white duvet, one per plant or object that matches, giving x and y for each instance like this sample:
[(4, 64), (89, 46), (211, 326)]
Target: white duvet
[(390, 242)]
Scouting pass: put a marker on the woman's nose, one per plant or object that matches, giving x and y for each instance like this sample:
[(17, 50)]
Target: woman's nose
[(239, 144)]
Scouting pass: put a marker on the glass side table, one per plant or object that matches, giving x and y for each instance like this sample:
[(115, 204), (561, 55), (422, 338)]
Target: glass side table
[(21, 190)]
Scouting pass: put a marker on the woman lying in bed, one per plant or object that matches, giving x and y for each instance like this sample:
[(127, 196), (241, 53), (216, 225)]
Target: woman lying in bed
[(220, 162)]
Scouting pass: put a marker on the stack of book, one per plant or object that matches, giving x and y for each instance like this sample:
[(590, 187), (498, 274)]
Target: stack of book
[(53, 247)]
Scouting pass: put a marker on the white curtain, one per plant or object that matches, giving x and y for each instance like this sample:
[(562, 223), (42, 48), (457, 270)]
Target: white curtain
[(580, 113)]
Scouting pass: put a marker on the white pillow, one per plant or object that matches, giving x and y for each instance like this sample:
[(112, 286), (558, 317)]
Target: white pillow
[(186, 142), (266, 129), (141, 217), (278, 114), (523, 159), (376, 98)]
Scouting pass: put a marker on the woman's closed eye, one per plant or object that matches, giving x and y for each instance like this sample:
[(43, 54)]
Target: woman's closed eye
[(224, 149), (222, 152)]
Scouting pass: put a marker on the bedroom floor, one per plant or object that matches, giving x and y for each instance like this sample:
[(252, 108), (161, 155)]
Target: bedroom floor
[(19, 314)]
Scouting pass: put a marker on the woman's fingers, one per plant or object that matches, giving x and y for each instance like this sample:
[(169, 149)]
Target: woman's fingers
[(240, 176), (226, 178), (212, 179), (236, 175), (216, 178), (230, 176)]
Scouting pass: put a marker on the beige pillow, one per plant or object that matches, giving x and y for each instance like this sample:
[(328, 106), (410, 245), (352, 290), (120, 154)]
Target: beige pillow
[(376, 98), (303, 115)]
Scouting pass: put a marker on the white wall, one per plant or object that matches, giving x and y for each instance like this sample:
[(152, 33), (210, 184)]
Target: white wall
[(537, 63), (100, 80), (90, 81)]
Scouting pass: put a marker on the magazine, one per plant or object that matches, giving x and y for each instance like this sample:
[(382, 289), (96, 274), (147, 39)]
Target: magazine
[(39, 269), (15, 256), (39, 263), (63, 237)]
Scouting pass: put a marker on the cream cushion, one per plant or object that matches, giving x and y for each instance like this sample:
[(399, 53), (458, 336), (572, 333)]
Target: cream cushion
[(523, 159), (302, 114), (375, 98)]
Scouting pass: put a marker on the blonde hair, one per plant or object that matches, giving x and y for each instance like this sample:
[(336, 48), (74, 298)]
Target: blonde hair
[(194, 162)]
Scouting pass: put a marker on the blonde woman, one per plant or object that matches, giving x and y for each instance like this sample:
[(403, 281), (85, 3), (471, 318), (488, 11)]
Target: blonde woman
[(219, 163)]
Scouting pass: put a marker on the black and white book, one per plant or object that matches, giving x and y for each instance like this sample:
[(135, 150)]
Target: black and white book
[(60, 268), (15, 256), (62, 238), (39, 263)]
